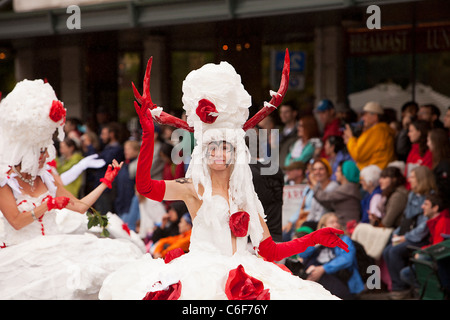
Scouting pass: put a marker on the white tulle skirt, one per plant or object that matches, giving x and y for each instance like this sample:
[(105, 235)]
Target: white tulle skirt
[(204, 276), (61, 266)]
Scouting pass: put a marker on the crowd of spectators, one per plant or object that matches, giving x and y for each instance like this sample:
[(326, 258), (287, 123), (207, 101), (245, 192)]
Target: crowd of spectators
[(372, 175)]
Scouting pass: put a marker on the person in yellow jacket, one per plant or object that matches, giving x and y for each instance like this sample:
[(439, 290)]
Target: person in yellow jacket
[(376, 143), (181, 240)]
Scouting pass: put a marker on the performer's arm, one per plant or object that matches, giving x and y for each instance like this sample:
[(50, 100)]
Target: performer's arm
[(272, 251)]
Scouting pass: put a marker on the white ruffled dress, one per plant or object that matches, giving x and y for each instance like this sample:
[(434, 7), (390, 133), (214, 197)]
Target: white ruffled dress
[(203, 271), (41, 262)]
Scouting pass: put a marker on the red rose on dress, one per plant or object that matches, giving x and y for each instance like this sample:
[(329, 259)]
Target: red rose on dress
[(173, 254), (206, 110), (57, 111), (172, 292), (241, 286), (239, 223)]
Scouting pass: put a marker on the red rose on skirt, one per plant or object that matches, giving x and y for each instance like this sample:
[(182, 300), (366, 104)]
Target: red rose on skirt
[(239, 223), (173, 254), (241, 286), (206, 110), (172, 292), (57, 111)]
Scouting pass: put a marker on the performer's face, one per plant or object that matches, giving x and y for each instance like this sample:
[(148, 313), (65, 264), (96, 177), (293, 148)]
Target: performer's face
[(219, 154)]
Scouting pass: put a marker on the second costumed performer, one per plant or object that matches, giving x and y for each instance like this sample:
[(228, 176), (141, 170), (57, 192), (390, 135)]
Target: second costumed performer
[(221, 199)]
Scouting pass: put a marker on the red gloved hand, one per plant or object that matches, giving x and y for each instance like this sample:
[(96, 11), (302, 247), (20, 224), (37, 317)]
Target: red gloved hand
[(57, 203), (277, 251), (110, 175)]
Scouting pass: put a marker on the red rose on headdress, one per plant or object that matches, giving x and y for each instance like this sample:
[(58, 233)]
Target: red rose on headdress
[(206, 110), (239, 223), (172, 292), (241, 286), (57, 111)]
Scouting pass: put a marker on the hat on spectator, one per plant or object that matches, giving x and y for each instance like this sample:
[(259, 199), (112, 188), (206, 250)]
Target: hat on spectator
[(373, 107), (296, 165), (324, 105), (350, 171)]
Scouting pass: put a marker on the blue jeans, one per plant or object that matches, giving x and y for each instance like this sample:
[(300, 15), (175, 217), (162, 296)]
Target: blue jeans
[(131, 217)]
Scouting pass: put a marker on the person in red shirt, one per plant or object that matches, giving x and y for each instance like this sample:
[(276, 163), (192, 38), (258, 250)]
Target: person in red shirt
[(326, 115), (439, 219)]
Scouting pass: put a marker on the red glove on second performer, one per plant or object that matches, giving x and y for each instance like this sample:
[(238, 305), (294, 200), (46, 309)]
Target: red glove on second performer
[(110, 175), (57, 202), (277, 251)]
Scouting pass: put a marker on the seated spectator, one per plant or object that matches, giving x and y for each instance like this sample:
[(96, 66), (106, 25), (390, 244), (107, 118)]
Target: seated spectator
[(170, 221), (431, 114), (438, 224), (344, 200), (69, 156), (439, 145), (181, 240), (375, 145), (369, 178), (335, 152), (419, 155), (295, 173), (402, 143), (327, 117), (308, 142), (411, 232), (394, 198), (333, 268), (319, 179)]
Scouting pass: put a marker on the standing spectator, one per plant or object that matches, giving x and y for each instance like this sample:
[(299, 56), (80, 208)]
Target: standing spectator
[(375, 145), (439, 145), (319, 179), (344, 200), (72, 130), (307, 144), (335, 152), (110, 137), (125, 180), (288, 134), (430, 113), (70, 156), (412, 231), (335, 269), (171, 170), (327, 117), (369, 178), (394, 198), (419, 155)]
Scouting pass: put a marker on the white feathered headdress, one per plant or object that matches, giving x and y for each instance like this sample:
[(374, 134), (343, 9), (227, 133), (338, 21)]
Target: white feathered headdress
[(29, 117), (217, 109)]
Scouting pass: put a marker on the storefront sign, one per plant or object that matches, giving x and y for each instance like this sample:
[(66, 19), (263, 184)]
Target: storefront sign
[(401, 40)]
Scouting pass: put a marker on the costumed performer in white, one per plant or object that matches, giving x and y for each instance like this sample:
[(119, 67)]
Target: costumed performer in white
[(220, 196), (36, 260)]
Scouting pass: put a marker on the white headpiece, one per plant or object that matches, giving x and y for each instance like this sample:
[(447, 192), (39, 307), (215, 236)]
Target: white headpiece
[(29, 116)]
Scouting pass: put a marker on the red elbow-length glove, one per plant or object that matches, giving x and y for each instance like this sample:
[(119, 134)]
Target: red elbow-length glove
[(152, 189), (272, 251)]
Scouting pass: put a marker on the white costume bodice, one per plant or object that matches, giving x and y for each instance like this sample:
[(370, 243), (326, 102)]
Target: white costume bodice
[(46, 225), (211, 232)]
